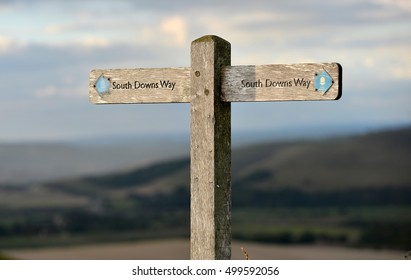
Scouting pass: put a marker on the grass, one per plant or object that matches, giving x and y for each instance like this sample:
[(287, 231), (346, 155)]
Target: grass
[(319, 215), (297, 234), (89, 238), (345, 226), (4, 257), (39, 198), (381, 214), (165, 216)]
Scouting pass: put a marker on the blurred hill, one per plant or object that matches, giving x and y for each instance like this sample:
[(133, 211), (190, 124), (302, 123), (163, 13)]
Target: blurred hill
[(375, 160), (29, 162), (36, 162), (345, 190)]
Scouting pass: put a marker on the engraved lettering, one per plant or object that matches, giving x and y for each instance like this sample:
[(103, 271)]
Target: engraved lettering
[(138, 85), (167, 84), (254, 84), (281, 84), (127, 85), (302, 82)]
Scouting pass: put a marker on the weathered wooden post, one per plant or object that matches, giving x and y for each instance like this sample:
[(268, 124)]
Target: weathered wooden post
[(210, 151), (210, 85)]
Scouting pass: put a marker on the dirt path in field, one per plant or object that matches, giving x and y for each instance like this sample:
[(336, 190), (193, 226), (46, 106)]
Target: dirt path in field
[(179, 249)]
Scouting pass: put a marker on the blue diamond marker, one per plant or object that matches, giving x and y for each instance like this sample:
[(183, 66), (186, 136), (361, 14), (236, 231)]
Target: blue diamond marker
[(102, 85), (323, 82)]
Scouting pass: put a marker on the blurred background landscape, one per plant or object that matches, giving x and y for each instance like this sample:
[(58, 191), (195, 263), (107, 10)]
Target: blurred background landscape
[(310, 179), (352, 191)]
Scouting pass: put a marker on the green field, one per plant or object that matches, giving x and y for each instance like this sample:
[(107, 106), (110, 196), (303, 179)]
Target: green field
[(342, 226)]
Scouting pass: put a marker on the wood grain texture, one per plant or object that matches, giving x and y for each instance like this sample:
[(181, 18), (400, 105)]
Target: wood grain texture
[(180, 93), (276, 82), (210, 152), (232, 88)]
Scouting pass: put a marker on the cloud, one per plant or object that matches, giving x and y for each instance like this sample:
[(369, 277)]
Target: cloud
[(90, 41), (46, 91), (64, 90), (64, 41), (400, 4), (5, 44), (45, 71), (86, 33), (170, 31), (8, 6), (176, 29)]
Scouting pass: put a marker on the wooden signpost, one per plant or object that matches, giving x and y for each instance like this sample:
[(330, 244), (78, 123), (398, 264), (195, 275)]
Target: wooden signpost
[(210, 85)]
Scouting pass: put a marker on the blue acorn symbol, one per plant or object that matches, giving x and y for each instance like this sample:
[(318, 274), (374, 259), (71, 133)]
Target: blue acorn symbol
[(323, 82)]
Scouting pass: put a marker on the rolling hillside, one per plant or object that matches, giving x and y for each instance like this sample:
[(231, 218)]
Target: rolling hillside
[(38, 162), (348, 191), (371, 161)]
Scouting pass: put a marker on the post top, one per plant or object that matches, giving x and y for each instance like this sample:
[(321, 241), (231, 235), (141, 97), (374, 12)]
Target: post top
[(209, 38)]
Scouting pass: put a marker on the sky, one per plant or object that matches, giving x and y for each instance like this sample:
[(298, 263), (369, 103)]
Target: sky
[(48, 48)]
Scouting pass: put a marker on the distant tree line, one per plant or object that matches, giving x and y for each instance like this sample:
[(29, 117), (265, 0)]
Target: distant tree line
[(296, 197), (162, 212)]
